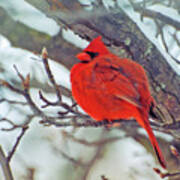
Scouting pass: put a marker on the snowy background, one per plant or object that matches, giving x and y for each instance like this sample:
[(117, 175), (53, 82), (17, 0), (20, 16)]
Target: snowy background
[(124, 159)]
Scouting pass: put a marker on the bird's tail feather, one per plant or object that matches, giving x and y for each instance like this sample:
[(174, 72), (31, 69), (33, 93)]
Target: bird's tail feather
[(154, 143)]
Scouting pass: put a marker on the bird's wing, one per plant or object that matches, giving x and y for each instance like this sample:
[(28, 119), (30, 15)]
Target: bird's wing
[(111, 80)]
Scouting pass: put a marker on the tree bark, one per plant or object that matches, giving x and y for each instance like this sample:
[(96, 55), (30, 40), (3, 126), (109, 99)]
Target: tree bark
[(125, 39), (119, 33)]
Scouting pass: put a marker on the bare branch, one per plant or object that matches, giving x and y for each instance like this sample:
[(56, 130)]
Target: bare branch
[(11, 87), (18, 73), (155, 15), (13, 102), (71, 159), (46, 101), (163, 175), (49, 73), (11, 153), (70, 115), (167, 128), (13, 125), (160, 20), (5, 166)]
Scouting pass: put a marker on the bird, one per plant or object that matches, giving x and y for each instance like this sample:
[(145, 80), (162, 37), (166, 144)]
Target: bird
[(108, 87)]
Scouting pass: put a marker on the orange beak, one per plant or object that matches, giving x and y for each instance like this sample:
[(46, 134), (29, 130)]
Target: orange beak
[(83, 56)]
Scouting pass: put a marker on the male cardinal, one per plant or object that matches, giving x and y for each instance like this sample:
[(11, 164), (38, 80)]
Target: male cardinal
[(108, 87)]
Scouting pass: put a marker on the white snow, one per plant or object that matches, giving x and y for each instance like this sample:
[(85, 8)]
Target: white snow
[(22, 11), (125, 159), (73, 38), (148, 28)]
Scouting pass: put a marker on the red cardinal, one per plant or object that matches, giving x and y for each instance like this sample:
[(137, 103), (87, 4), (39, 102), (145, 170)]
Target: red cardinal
[(108, 87)]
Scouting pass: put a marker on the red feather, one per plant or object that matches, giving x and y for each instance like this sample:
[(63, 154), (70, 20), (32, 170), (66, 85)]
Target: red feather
[(109, 87)]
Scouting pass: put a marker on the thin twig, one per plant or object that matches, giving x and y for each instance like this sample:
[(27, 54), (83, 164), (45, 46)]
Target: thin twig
[(71, 159), (11, 153), (171, 174), (5, 166), (160, 20), (156, 15), (49, 73), (163, 175), (18, 73), (13, 102), (31, 103), (68, 108), (46, 101), (92, 123), (11, 87), (13, 125)]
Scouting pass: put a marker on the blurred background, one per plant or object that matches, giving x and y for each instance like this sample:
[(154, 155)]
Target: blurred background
[(73, 153)]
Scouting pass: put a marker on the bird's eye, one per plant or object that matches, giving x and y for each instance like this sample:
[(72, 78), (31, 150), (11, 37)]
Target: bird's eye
[(92, 54)]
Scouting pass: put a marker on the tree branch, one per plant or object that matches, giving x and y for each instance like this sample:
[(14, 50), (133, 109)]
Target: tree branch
[(11, 153), (5, 165)]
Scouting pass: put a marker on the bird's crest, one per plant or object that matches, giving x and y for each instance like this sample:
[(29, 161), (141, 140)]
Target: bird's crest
[(97, 46)]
